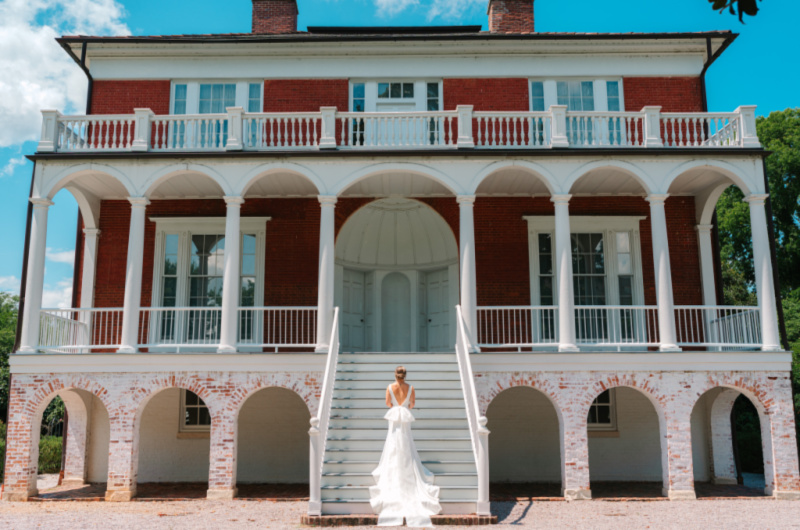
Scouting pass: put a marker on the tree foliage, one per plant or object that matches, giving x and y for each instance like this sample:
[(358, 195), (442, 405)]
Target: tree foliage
[(8, 328), (740, 7)]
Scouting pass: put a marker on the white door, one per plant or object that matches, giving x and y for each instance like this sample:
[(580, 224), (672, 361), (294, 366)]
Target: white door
[(396, 313), (352, 312), (438, 300)]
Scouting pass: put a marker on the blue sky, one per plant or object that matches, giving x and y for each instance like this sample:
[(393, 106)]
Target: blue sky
[(759, 69)]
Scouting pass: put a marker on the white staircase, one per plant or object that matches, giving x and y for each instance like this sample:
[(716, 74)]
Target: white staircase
[(356, 431)]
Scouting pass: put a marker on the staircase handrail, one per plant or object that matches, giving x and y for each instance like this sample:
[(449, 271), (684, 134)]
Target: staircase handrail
[(479, 434), (319, 424)]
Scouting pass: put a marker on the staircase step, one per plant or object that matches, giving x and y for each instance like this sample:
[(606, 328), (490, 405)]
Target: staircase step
[(446, 493), (388, 368), (380, 402), (420, 393), (380, 433), (404, 359), (375, 454), (380, 385), (366, 479), (385, 379), (378, 423), (366, 466), (464, 444)]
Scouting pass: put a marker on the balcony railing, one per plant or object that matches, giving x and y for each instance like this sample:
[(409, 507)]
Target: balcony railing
[(176, 329), (459, 129), (529, 328)]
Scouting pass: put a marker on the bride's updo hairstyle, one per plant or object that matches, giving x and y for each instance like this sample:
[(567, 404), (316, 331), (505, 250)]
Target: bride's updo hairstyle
[(400, 373)]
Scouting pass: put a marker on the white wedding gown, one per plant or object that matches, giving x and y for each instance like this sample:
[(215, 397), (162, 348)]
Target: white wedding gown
[(404, 487)]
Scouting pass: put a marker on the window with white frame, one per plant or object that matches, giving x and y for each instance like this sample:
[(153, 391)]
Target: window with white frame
[(603, 412), (395, 95), (214, 97), (189, 266), (578, 95), (194, 415), (606, 267)]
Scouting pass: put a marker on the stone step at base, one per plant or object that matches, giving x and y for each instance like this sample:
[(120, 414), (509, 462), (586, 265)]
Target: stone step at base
[(372, 520)]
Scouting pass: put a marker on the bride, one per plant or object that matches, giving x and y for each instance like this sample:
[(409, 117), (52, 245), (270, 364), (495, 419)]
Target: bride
[(404, 487)]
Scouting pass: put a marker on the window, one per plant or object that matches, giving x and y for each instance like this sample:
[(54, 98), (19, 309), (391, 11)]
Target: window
[(588, 269), (578, 95), (395, 95), (359, 105), (395, 90), (194, 413), (537, 96), (602, 413), (196, 97), (190, 257), (433, 96)]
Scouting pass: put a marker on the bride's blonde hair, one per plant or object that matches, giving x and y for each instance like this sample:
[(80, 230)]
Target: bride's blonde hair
[(400, 373)]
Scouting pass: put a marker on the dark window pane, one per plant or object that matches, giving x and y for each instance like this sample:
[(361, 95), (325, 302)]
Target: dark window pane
[(358, 90), (358, 105), (191, 398), (433, 90), (605, 397), (408, 90), (544, 244), (396, 87), (604, 415), (191, 416), (204, 417), (592, 415), (433, 104), (545, 264), (383, 90)]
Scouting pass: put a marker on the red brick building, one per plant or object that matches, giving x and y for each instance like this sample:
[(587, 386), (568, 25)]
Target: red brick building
[(272, 221)]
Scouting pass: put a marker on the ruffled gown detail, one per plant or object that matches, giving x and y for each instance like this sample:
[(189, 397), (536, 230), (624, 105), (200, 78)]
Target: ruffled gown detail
[(404, 487)]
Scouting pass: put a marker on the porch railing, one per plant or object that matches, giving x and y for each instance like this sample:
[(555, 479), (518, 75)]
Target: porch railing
[(517, 327), (462, 128), (616, 326), (176, 328), (724, 327)]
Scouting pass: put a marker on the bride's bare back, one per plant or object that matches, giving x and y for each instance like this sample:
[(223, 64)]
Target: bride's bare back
[(400, 389)]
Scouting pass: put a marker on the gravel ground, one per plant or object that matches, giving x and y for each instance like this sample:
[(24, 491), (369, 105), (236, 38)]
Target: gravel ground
[(728, 514)]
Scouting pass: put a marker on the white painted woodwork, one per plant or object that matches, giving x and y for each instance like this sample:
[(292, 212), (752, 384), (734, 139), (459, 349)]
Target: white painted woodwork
[(706, 248), (437, 303), (466, 241), (326, 271), (664, 297), (763, 267), (231, 284), (34, 284), (353, 311), (133, 277), (90, 239), (396, 313), (565, 298)]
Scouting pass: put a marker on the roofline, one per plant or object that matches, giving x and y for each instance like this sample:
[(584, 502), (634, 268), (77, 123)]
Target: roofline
[(402, 30), (728, 35)]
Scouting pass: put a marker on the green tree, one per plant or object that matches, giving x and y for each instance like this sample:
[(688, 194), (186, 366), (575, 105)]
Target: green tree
[(740, 7), (9, 305)]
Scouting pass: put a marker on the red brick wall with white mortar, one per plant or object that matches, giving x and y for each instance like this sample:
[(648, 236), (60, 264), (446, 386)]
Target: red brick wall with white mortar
[(274, 16), (511, 16), (121, 97), (673, 94), (501, 241), (673, 395)]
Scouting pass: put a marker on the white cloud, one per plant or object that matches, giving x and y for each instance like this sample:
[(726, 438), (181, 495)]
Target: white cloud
[(390, 8), (9, 283), (57, 297), (12, 165), (36, 72), (452, 9), (61, 256)]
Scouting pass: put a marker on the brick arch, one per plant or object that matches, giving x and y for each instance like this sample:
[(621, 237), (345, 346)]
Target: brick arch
[(307, 387), (143, 393), (756, 391), (47, 390), (507, 381), (646, 387)]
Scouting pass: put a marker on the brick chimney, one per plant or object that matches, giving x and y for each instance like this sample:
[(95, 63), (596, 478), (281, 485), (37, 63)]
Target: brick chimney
[(511, 16), (274, 16)]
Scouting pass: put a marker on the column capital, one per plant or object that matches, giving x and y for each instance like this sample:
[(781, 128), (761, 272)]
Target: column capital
[(657, 198), (39, 202), (756, 198), (704, 229), (465, 199), (560, 199), (233, 200), (91, 232), (138, 202), (327, 200)]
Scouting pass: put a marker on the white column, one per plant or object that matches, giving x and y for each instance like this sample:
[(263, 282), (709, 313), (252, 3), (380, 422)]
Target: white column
[(327, 239), (90, 236), (666, 306), (707, 264), (230, 276), (763, 267), (466, 243), (133, 276), (34, 284), (566, 296)]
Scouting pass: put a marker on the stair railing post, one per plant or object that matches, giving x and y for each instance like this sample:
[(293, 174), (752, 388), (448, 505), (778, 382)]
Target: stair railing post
[(327, 138), (483, 506), (315, 469)]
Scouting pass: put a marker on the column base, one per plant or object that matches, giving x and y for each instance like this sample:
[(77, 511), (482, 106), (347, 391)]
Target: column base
[(483, 508), (314, 508), (679, 495), (222, 494), (771, 347), (25, 350), (322, 348), (18, 496), (786, 495), (577, 494), (227, 349), (128, 349), (120, 495), (724, 481), (568, 348), (670, 348)]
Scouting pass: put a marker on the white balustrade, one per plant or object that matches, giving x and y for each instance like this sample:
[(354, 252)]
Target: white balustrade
[(79, 330), (517, 327), (330, 129), (319, 423), (508, 130), (179, 327), (94, 133), (200, 132), (282, 131), (617, 325), (701, 130), (397, 130), (274, 327), (728, 327)]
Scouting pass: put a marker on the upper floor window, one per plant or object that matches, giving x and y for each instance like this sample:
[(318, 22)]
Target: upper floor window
[(192, 97), (577, 95), (395, 95)]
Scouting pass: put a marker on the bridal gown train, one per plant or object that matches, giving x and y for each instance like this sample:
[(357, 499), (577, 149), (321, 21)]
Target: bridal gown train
[(404, 487)]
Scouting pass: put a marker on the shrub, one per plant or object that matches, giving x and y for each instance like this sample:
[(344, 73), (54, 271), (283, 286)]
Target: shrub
[(2, 449), (50, 454)]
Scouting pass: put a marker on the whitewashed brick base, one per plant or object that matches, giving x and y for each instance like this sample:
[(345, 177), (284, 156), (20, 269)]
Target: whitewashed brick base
[(673, 395)]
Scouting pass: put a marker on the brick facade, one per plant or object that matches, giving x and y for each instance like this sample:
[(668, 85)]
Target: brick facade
[(305, 95), (275, 16), (673, 94), (511, 16), (121, 97), (508, 94)]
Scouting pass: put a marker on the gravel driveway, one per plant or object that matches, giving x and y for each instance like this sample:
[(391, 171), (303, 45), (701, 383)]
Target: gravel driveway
[(193, 515)]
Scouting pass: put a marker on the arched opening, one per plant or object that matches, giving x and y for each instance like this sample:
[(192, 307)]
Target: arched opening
[(185, 184), (272, 445), (727, 445), (174, 445), (625, 453), (396, 278), (70, 440), (524, 448), (280, 182)]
